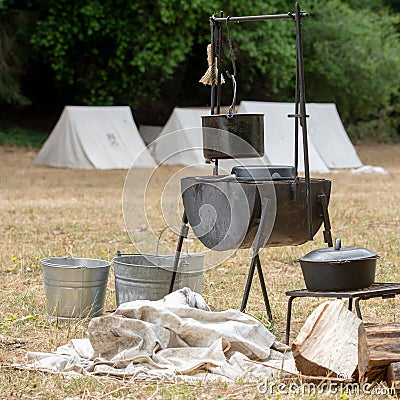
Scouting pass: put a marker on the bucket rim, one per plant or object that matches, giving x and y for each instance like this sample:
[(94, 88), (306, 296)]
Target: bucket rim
[(102, 263), (184, 258)]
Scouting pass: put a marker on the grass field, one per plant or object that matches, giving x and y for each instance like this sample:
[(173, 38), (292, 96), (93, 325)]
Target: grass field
[(52, 212)]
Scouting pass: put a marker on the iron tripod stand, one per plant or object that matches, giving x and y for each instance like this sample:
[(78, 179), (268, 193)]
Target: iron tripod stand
[(255, 261), (259, 241)]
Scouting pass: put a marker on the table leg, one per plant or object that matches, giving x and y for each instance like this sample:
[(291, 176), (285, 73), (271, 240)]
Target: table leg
[(350, 304), (288, 318), (357, 304)]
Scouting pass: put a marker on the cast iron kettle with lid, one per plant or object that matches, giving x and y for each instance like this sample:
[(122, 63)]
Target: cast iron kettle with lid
[(339, 268)]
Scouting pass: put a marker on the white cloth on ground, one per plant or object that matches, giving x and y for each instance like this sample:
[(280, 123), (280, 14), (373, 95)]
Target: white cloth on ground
[(169, 338)]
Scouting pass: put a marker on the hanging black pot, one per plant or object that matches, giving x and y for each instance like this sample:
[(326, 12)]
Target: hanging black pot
[(339, 268), (233, 136)]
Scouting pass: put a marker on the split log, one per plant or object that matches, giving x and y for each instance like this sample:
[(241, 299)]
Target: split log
[(378, 347), (393, 377), (327, 344)]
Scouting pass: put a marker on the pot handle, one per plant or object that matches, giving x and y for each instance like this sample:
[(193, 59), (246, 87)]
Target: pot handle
[(338, 244)]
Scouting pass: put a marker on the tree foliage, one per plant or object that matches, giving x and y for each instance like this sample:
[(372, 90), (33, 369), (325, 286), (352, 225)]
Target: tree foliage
[(118, 51), (14, 36), (124, 51), (353, 58), (113, 50)]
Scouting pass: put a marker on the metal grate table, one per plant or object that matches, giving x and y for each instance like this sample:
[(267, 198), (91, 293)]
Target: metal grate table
[(383, 290)]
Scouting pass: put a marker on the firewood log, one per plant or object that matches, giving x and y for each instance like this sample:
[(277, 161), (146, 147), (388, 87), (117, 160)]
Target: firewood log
[(378, 347), (327, 344), (393, 376)]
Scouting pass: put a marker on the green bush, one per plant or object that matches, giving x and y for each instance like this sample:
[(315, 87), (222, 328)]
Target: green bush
[(353, 58), (15, 136), (382, 130)]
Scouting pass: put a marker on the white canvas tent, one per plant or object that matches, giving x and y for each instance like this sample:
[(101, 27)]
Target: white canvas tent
[(95, 137), (329, 137), (328, 143), (180, 141)]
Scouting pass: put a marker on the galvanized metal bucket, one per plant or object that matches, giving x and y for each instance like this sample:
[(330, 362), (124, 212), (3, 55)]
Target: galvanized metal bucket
[(148, 277), (75, 287)]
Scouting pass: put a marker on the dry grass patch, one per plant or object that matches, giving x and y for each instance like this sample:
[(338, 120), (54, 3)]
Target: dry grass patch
[(51, 212)]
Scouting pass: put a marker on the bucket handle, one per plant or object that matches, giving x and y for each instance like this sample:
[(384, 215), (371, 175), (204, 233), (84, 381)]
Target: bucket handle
[(119, 254), (173, 230)]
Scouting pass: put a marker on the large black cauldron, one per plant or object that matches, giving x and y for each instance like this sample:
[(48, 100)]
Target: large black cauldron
[(225, 212)]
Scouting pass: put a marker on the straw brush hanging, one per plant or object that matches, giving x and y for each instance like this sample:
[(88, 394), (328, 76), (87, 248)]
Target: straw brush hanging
[(207, 77)]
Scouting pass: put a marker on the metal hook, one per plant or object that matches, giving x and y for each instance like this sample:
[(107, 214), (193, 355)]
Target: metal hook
[(231, 110)]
